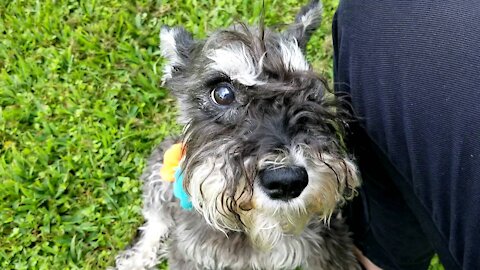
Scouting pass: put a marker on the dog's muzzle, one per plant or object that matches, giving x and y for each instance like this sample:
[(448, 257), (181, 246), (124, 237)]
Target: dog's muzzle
[(283, 183)]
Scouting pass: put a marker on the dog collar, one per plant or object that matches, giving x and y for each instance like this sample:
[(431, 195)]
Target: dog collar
[(171, 171)]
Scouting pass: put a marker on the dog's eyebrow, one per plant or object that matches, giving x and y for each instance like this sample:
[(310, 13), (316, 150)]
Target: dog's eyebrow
[(235, 61)]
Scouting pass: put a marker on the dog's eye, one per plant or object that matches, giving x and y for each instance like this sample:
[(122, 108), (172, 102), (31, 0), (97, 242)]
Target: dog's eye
[(223, 94)]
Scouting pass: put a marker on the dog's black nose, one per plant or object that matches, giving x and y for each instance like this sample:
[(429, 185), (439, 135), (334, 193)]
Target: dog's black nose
[(284, 183)]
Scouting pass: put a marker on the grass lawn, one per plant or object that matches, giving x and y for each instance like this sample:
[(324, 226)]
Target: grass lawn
[(80, 109)]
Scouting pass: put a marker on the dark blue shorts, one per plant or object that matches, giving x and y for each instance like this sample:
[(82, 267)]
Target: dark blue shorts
[(412, 70)]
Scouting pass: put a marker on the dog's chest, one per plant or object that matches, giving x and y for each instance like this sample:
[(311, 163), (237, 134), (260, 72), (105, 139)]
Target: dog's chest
[(211, 249)]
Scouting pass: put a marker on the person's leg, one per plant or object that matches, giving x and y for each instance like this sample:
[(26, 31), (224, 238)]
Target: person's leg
[(412, 70)]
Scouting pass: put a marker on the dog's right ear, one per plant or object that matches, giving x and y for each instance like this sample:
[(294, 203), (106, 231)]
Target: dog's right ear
[(175, 46)]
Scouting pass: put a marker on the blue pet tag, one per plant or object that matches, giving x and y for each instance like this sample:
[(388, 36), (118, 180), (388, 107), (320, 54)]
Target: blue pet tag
[(179, 192)]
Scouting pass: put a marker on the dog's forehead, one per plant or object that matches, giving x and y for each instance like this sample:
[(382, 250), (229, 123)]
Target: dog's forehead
[(243, 54)]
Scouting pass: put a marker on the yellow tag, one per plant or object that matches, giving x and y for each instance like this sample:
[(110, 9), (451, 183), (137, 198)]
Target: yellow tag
[(171, 160)]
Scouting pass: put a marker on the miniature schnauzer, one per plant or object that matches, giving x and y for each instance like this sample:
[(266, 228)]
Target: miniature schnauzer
[(262, 165)]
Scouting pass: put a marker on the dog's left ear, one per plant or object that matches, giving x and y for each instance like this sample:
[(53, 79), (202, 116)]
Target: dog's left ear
[(306, 22), (175, 45)]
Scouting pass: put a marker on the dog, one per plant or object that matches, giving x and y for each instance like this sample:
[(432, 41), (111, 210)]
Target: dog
[(261, 170)]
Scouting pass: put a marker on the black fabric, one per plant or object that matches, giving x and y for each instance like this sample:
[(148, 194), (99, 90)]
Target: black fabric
[(412, 70)]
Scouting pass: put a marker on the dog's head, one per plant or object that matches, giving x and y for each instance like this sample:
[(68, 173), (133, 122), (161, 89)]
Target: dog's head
[(263, 151)]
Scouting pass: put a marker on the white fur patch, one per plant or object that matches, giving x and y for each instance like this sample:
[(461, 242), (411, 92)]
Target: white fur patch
[(168, 48), (205, 189), (292, 56), (235, 62), (311, 15)]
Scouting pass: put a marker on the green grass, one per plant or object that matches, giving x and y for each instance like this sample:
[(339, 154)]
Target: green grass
[(81, 107)]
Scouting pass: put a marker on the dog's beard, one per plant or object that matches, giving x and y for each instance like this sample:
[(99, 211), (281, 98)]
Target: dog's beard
[(246, 208)]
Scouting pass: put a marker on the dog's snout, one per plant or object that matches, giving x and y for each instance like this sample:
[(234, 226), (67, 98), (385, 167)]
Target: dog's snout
[(284, 183)]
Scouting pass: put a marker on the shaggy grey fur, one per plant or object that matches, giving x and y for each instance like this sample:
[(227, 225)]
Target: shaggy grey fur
[(275, 115)]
